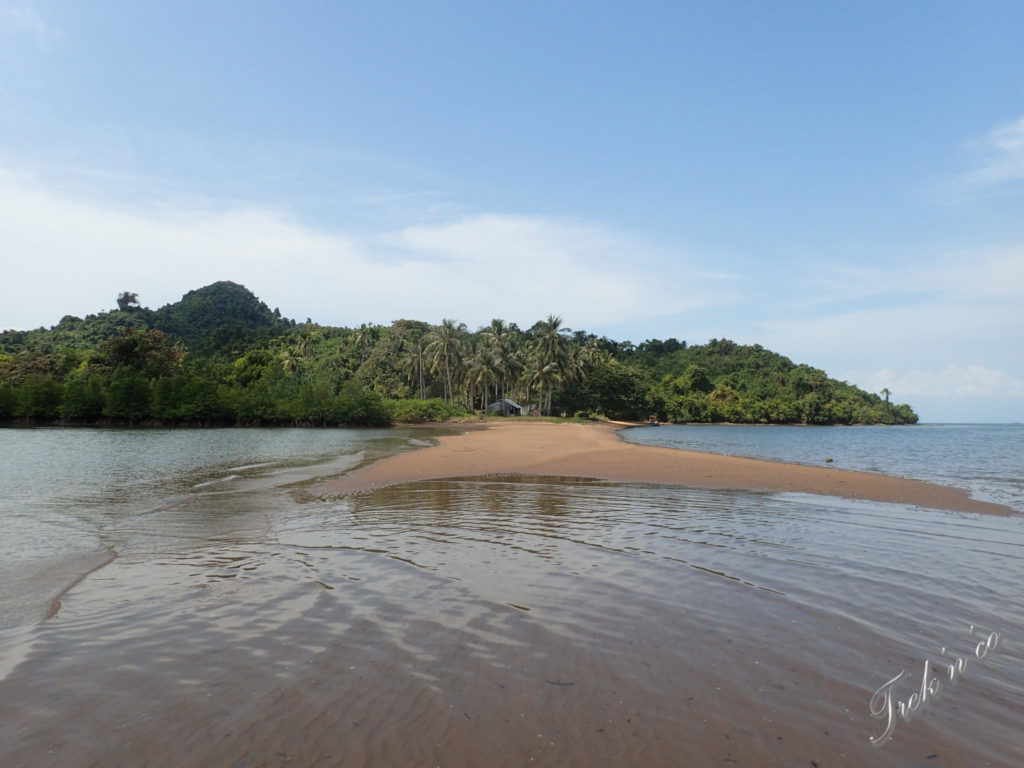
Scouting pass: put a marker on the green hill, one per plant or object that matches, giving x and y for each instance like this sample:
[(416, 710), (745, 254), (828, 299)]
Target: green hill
[(223, 308), (216, 309), (221, 356)]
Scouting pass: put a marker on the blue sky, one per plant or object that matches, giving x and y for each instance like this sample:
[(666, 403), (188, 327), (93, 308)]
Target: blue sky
[(840, 182)]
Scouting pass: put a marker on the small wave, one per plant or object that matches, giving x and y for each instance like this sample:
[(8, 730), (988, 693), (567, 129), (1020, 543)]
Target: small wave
[(251, 466), (31, 593), (215, 481), (55, 604)]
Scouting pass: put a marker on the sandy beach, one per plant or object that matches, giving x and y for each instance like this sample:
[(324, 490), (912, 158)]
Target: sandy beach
[(595, 451)]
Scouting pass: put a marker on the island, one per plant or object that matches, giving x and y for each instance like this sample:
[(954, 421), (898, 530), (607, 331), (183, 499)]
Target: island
[(221, 356)]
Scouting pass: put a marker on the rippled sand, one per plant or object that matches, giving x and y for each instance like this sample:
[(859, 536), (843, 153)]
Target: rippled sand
[(524, 620), (509, 622)]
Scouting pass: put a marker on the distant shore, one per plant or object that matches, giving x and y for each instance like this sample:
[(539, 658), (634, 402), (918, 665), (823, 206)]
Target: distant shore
[(595, 451)]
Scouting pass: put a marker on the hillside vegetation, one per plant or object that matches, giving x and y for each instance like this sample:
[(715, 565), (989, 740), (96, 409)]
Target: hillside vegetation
[(221, 356)]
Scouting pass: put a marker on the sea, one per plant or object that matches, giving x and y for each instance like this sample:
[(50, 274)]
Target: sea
[(193, 598)]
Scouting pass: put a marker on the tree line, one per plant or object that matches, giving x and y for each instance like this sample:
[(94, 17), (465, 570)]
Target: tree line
[(221, 357)]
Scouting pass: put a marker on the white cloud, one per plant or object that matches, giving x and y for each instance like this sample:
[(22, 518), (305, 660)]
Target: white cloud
[(920, 308), (68, 253), (905, 333), (939, 330), (992, 273), (971, 381), (1004, 150)]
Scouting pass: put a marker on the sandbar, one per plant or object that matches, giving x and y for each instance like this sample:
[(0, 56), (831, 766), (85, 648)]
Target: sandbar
[(595, 451)]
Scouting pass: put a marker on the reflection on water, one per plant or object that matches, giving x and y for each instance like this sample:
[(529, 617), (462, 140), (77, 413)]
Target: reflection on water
[(68, 497), (482, 622)]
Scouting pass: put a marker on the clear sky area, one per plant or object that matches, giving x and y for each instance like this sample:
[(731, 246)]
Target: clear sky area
[(840, 182)]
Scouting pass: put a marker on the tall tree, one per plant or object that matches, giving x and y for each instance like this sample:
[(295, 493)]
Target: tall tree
[(551, 349), (482, 370), (444, 349), (363, 337), (127, 299), (414, 362), (502, 342)]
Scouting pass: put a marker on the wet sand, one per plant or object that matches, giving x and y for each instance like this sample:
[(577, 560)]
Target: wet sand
[(489, 623), (595, 451), (496, 621)]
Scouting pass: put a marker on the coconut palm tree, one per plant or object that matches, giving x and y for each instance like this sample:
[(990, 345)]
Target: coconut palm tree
[(363, 338), (497, 332), (413, 363), (503, 343), (444, 349), (307, 336), (552, 340), (290, 361), (541, 377), (482, 370), (551, 349)]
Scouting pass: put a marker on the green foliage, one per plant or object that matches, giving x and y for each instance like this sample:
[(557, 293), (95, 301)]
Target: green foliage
[(204, 312), (724, 381), (420, 411), (128, 396), (188, 399), (83, 398), (8, 401), (126, 300), (618, 390), (38, 398), (149, 353), (221, 356)]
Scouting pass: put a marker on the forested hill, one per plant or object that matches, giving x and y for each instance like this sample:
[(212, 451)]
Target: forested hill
[(202, 317), (221, 356)]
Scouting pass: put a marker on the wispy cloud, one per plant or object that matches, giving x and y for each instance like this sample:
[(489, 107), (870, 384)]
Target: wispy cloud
[(19, 21), (66, 252), (1003, 151), (993, 273), (918, 305), (971, 381)]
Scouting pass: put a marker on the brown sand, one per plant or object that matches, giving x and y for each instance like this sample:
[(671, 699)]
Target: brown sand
[(595, 451)]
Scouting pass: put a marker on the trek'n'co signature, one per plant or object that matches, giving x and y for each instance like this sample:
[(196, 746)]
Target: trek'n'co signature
[(885, 705)]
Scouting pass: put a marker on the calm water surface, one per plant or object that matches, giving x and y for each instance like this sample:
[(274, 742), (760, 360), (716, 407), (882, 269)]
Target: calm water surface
[(230, 615), (985, 459)]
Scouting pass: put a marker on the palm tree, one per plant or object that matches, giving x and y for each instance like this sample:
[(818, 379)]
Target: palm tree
[(290, 361), (362, 336), (307, 335), (482, 370), (444, 348), (551, 348), (497, 331), (552, 340), (503, 343), (542, 377), (511, 365), (413, 363)]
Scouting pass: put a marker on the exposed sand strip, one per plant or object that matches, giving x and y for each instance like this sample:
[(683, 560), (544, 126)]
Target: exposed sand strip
[(595, 451)]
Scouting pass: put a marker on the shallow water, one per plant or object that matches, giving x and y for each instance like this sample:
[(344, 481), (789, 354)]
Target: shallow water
[(70, 497), (985, 459), (483, 622)]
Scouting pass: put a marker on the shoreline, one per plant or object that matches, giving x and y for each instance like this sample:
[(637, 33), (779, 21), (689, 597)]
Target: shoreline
[(595, 451)]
